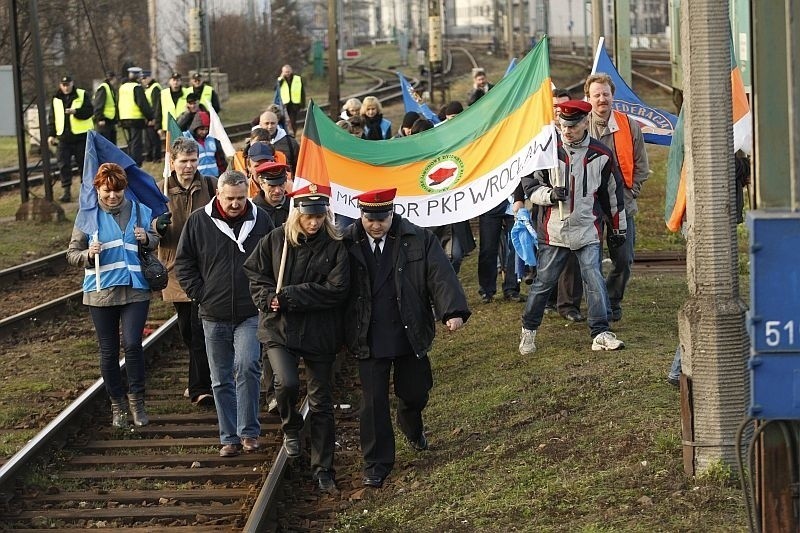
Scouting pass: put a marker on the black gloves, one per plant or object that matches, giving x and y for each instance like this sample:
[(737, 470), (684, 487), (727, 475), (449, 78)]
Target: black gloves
[(558, 194), (617, 238), (162, 222)]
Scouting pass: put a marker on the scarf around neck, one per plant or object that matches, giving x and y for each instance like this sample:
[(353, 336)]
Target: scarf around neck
[(223, 226)]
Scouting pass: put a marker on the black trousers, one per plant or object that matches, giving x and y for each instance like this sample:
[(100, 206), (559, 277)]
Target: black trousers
[(493, 229), (412, 383), (152, 144), (267, 376), (135, 144), (191, 328), (320, 402), (108, 130), (292, 110), (67, 151)]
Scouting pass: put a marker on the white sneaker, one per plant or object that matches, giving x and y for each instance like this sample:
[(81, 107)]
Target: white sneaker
[(606, 341), (526, 342)]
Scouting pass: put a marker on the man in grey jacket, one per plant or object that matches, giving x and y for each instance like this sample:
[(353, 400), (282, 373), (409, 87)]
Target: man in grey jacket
[(588, 187)]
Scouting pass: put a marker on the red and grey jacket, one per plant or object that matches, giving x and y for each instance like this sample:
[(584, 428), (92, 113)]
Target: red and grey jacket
[(595, 193)]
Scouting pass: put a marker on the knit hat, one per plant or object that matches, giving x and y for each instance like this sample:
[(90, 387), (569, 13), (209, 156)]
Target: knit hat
[(409, 119)]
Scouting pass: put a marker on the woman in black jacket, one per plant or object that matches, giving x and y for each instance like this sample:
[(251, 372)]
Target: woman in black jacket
[(301, 316)]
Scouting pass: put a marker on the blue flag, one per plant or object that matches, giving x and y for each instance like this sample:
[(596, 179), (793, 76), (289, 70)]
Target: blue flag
[(142, 187), (413, 102), (657, 125), (510, 67)]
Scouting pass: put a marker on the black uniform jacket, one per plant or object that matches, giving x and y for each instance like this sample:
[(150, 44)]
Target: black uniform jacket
[(278, 214), (422, 276), (208, 266), (316, 281)]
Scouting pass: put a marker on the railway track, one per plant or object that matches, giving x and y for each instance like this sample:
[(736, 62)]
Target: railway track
[(167, 476)]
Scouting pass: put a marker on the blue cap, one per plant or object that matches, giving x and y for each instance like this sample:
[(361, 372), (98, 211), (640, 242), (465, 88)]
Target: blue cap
[(261, 151)]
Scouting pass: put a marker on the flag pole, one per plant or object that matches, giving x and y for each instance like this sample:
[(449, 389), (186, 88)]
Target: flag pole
[(556, 182), (96, 238), (284, 253)]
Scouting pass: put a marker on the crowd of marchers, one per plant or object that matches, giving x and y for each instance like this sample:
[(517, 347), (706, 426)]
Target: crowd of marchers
[(263, 274)]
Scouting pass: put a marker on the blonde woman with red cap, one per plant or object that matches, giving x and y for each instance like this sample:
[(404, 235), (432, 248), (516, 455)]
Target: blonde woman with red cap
[(299, 279)]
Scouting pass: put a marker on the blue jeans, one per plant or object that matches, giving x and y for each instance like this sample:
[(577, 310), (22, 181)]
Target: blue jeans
[(107, 322), (675, 369), (234, 357), (622, 259), (552, 260)]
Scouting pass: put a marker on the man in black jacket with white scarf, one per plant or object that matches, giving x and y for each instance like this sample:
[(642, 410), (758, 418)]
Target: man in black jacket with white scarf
[(213, 247)]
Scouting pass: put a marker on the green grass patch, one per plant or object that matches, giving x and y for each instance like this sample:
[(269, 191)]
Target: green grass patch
[(564, 440)]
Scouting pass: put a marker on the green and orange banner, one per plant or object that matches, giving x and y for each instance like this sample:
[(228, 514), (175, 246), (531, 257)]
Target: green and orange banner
[(675, 204), (453, 172)]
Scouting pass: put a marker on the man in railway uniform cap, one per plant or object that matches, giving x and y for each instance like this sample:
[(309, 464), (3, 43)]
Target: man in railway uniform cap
[(271, 177), (571, 203), (398, 270)]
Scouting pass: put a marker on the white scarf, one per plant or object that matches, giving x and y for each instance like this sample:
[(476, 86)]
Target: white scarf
[(223, 226)]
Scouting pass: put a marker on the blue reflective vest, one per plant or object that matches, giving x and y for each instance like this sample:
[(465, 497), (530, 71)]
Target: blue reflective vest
[(206, 158), (119, 254)]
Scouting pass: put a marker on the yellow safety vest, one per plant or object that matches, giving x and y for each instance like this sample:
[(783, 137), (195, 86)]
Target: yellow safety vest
[(295, 95), (77, 125), (148, 92), (128, 110), (110, 107), (168, 107), (205, 96)]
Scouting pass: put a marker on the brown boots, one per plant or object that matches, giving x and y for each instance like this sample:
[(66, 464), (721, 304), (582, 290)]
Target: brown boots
[(136, 403)]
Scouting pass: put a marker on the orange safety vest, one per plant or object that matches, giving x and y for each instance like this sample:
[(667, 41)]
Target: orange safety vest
[(623, 146), (252, 186)]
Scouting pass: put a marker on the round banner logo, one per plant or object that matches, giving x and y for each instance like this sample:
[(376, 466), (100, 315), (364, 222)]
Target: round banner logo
[(442, 173)]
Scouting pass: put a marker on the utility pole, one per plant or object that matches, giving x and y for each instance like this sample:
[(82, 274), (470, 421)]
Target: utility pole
[(597, 21), (22, 155), (40, 97), (622, 38), (152, 19), (333, 61), (434, 41), (509, 30)]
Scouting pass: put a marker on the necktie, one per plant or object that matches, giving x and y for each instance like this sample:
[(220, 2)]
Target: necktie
[(376, 252)]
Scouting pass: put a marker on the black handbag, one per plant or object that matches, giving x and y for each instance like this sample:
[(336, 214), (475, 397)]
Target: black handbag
[(153, 270)]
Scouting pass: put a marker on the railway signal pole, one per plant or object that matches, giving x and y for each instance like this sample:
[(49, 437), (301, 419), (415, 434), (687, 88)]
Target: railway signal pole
[(434, 41), (333, 61), (42, 210)]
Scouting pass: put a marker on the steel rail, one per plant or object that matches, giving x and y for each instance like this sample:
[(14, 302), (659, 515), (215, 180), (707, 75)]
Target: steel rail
[(14, 323), (44, 264), (50, 432)]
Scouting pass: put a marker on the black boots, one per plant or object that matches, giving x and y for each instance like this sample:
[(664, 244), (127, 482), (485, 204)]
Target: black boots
[(136, 403), (119, 413)]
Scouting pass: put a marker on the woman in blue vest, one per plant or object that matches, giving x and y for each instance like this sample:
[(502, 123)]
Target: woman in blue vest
[(376, 128), (122, 295)]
